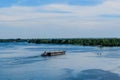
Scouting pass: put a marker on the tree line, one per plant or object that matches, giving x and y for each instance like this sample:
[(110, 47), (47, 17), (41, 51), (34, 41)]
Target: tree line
[(83, 41), (13, 40), (75, 41)]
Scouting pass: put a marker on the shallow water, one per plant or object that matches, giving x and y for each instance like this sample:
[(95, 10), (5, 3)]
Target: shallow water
[(22, 61)]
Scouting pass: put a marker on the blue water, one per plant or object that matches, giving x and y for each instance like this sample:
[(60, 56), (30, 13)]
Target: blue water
[(22, 61)]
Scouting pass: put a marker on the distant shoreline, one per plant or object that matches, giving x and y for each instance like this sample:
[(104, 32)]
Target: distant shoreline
[(101, 42)]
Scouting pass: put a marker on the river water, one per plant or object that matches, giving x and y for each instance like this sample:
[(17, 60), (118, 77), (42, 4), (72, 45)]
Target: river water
[(22, 61)]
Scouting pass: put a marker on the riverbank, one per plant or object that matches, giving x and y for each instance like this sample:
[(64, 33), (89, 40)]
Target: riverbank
[(107, 42), (101, 42)]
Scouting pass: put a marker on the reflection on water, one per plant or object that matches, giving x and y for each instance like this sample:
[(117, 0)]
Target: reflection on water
[(22, 61), (94, 74)]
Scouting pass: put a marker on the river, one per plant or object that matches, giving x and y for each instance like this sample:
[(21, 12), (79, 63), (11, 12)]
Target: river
[(22, 61)]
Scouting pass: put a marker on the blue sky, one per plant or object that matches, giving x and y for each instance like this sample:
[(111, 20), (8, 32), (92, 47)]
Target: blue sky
[(7, 3), (59, 18)]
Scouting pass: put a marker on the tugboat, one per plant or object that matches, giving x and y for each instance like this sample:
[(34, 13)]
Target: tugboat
[(53, 53)]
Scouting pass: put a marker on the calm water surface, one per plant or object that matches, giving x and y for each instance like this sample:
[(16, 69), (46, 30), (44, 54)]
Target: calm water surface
[(22, 61)]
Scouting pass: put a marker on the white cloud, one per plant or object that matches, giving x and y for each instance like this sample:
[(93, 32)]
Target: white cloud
[(79, 17)]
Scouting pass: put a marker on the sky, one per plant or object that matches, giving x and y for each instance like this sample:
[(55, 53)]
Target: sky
[(59, 19)]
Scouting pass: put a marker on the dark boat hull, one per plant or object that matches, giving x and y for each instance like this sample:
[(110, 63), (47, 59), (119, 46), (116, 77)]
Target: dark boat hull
[(53, 53)]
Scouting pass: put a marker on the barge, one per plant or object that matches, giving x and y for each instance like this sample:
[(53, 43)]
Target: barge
[(53, 53)]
